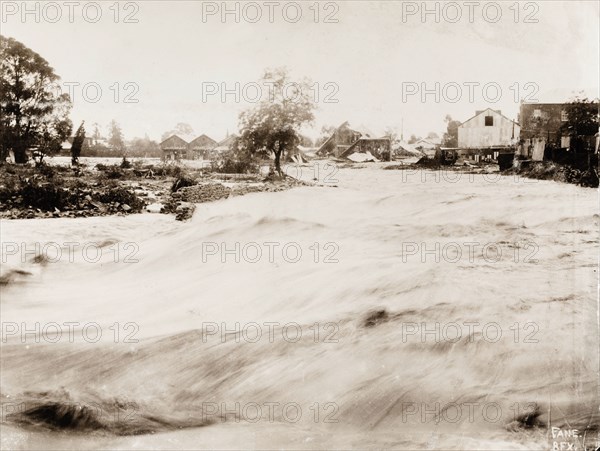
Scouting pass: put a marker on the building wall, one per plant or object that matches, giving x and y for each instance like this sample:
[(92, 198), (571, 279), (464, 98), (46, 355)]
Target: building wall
[(474, 134), (202, 143), (174, 148), (541, 120), (544, 120)]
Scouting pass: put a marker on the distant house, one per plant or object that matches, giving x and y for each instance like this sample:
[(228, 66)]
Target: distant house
[(65, 147), (488, 129), (201, 146), (222, 146), (427, 146), (174, 148), (340, 140)]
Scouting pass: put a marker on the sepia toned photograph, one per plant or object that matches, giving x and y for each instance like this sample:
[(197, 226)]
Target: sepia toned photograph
[(299, 225)]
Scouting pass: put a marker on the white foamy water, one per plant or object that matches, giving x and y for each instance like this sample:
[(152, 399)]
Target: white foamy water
[(467, 342)]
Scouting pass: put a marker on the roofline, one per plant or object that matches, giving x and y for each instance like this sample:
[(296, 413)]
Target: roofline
[(483, 111), (202, 136), (229, 137), (173, 135)]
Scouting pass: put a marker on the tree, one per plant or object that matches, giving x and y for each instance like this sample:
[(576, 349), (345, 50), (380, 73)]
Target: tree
[(432, 135), (582, 121), (391, 133), (180, 129), (33, 112), (326, 132), (413, 139), (96, 133), (144, 147), (306, 141), (450, 138), (115, 137), (274, 124), (78, 141)]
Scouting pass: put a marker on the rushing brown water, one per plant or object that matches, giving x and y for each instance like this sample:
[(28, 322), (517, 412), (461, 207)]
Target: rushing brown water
[(405, 312)]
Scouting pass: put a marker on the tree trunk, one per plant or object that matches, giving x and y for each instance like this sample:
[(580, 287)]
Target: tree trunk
[(277, 162), (20, 155)]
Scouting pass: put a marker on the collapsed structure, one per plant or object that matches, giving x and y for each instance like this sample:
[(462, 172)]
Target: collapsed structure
[(355, 145)]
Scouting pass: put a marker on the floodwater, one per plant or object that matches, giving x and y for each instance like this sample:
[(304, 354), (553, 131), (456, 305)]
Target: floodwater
[(396, 309)]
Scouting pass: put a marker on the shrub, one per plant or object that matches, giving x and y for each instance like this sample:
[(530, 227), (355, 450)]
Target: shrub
[(114, 172), (182, 181), (125, 163), (111, 171), (122, 196), (45, 196), (46, 171), (235, 162)]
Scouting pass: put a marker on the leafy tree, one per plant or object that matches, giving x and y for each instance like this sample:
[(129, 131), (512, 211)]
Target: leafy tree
[(274, 124), (582, 121), (96, 133), (33, 113), (450, 138), (115, 137), (306, 141), (432, 135), (144, 147), (326, 132), (413, 139), (180, 129), (391, 133), (78, 141)]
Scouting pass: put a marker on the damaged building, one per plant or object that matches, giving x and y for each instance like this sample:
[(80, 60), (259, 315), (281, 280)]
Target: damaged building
[(346, 141)]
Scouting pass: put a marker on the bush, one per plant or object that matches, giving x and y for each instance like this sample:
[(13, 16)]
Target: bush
[(45, 196), (114, 172), (183, 181), (46, 171), (235, 162), (166, 170), (125, 164), (122, 196), (544, 170), (111, 171)]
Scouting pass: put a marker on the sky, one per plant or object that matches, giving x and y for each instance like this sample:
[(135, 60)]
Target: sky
[(402, 65)]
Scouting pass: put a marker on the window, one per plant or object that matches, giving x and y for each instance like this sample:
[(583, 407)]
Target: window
[(489, 121), (537, 114), (563, 116)]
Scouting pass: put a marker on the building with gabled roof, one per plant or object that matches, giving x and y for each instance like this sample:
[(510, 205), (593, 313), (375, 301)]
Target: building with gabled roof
[(488, 129), (201, 146), (174, 148), (222, 146)]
